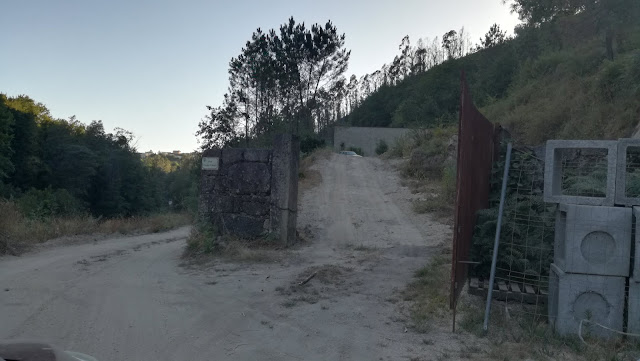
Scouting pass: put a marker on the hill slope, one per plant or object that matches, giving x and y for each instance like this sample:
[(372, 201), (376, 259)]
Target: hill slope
[(568, 78)]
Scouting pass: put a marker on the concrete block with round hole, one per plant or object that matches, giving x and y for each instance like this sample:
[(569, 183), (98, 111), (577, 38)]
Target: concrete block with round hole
[(594, 300), (593, 240)]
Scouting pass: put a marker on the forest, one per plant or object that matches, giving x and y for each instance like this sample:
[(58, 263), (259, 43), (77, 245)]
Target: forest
[(55, 168), (569, 70)]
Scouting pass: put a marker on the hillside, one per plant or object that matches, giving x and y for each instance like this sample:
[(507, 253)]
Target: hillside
[(575, 76)]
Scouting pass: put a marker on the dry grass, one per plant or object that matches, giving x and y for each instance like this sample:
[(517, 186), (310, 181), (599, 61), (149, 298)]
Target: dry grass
[(310, 178), (19, 232), (205, 243), (517, 334), (429, 292)]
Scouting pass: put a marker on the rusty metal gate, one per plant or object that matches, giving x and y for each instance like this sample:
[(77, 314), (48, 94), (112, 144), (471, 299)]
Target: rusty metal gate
[(478, 143)]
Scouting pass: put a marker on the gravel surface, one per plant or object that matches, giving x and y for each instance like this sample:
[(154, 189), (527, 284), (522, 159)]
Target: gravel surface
[(134, 298)]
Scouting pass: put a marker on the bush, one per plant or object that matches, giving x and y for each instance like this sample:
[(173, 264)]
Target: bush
[(45, 203), (382, 147), (309, 143), (357, 150)]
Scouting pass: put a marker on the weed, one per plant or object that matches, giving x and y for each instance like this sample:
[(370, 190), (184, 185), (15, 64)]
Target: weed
[(429, 293), (381, 147), (289, 303), (19, 232)]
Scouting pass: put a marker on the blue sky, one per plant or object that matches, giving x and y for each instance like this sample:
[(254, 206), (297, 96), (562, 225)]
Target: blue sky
[(151, 66)]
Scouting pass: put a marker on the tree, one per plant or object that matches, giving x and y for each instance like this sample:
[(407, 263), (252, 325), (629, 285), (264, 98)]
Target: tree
[(25, 158), (495, 36), (6, 137), (281, 77)]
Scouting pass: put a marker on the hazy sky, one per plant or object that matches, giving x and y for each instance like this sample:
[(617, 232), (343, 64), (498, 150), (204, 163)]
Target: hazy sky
[(151, 66)]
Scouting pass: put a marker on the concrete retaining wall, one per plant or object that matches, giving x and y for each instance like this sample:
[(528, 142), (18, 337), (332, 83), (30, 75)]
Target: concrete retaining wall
[(365, 138)]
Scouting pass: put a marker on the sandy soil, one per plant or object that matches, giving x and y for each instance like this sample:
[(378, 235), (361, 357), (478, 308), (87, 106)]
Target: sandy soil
[(134, 298)]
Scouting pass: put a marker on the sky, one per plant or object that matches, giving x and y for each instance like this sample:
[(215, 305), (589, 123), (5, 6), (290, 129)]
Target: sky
[(152, 66)]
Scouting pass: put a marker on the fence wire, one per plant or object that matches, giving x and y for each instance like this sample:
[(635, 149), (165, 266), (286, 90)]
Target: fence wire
[(567, 267)]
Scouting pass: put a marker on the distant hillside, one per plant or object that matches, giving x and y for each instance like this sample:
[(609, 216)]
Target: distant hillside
[(575, 76)]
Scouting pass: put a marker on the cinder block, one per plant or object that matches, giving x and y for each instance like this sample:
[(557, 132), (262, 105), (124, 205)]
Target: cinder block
[(633, 308), (622, 198), (636, 255), (576, 297), (553, 172), (593, 240)]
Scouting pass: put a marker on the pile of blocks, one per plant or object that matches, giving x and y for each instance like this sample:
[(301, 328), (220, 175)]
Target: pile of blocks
[(593, 246)]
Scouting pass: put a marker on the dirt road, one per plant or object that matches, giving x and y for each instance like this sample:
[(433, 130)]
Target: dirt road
[(134, 299)]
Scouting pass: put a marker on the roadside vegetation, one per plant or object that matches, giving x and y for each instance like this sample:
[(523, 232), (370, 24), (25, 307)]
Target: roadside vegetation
[(62, 177), (429, 167), (570, 72), (515, 334)]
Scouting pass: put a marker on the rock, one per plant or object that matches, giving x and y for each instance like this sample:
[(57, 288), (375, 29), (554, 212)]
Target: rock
[(249, 178), (243, 226), (257, 155), (231, 156)]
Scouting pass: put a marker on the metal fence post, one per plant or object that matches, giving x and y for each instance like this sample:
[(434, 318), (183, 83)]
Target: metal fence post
[(496, 243)]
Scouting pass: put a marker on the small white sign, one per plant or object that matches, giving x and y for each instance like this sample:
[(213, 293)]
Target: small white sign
[(210, 163)]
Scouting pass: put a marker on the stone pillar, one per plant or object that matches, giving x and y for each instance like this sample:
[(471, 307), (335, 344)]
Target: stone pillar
[(284, 188)]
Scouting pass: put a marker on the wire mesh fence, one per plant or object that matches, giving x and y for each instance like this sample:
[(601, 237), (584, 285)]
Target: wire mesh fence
[(566, 267), (526, 243)]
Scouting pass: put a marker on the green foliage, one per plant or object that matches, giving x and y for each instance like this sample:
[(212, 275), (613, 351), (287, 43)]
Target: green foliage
[(6, 137), (310, 143), (203, 239), (290, 79), (527, 236), (47, 203), (381, 147), (567, 74), (63, 168)]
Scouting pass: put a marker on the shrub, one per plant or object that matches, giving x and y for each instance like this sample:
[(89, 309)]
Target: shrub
[(309, 143), (357, 150), (45, 203), (382, 147)]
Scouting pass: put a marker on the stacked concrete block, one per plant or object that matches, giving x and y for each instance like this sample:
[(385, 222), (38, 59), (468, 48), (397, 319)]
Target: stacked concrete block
[(633, 306), (593, 240), (553, 172), (592, 246), (590, 299), (591, 263), (622, 198)]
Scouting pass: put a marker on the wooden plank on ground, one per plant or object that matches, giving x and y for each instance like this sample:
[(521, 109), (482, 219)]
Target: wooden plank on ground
[(502, 286), (529, 289)]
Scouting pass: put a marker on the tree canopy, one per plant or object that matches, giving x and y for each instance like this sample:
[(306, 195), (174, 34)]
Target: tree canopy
[(287, 79)]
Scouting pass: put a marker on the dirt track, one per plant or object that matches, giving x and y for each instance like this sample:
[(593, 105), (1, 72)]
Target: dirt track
[(133, 299)]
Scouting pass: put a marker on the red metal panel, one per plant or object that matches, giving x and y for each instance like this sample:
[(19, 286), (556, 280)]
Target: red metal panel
[(475, 157)]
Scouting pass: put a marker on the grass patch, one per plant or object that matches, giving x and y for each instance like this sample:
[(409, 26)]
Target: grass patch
[(519, 334), (442, 200), (429, 292), (205, 241), (18, 232), (309, 177)]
